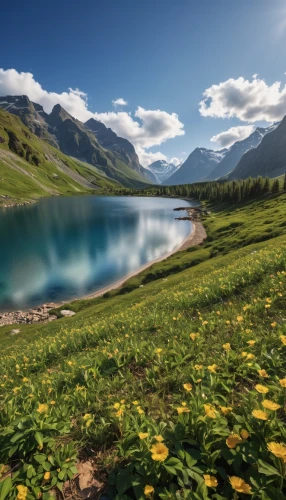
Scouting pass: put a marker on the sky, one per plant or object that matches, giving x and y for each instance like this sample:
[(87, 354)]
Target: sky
[(169, 75)]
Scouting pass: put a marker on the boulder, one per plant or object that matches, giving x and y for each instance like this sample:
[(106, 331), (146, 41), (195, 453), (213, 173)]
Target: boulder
[(67, 312)]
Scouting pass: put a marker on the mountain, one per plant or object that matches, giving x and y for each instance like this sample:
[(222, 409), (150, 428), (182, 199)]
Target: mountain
[(122, 148), (268, 159), (74, 139), (235, 153), (162, 170), (30, 168), (197, 166)]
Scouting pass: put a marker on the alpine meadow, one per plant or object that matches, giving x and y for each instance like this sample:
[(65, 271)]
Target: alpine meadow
[(143, 251)]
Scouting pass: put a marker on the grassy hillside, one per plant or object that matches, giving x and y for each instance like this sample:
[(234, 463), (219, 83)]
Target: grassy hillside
[(30, 168), (175, 390)]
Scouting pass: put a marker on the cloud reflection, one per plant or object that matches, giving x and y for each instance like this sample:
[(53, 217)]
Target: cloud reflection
[(63, 248)]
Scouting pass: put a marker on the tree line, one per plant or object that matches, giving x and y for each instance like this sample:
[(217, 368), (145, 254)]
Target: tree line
[(216, 191)]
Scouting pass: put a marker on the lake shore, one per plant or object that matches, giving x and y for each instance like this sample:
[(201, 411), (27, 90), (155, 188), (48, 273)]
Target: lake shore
[(41, 314)]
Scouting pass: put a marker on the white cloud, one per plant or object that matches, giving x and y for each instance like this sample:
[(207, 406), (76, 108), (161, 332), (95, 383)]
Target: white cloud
[(249, 101), (149, 128), (146, 158), (176, 161), (119, 102), (233, 134)]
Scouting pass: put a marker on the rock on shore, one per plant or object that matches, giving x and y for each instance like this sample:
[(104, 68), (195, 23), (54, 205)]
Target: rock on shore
[(38, 315)]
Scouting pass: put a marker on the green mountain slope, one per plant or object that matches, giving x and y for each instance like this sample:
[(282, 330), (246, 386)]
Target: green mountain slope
[(30, 168), (178, 386), (71, 137)]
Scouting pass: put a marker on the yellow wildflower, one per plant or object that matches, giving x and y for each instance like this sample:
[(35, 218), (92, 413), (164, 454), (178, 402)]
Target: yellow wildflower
[(273, 324), (148, 490), (226, 409), (47, 475), (140, 411), (263, 373), (135, 403), (210, 481), (226, 346), (261, 388), (42, 408), (159, 438), (283, 339), (239, 319), (282, 382), (183, 409), (244, 434), (188, 387), (210, 411), (260, 415), (213, 368), (119, 413), (270, 405), (143, 435), (251, 342), (22, 492), (159, 350), (116, 406), (233, 440), (198, 367), (25, 380), (278, 449), (193, 336), (238, 484), (159, 452)]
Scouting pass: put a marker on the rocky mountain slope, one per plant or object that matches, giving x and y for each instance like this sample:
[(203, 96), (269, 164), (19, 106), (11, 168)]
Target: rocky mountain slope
[(122, 148), (197, 166), (73, 138), (162, 170), (237, 150), (30, 168), (268, 159)]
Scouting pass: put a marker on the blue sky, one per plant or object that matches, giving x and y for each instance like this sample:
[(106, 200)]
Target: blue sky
[(156, 55)]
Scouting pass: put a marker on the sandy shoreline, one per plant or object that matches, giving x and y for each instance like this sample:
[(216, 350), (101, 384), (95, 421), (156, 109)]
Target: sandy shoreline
[(41, 313)]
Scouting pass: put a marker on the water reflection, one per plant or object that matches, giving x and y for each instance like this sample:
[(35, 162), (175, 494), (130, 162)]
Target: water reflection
[(63, 248)]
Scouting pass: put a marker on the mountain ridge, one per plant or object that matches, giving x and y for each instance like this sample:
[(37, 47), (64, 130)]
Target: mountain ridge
[(74, 139), (197, 166)]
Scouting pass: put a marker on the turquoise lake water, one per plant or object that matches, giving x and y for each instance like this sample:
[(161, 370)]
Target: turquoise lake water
[(64, 248)]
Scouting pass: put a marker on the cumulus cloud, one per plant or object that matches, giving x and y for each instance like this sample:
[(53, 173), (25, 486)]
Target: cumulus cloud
[(146, 129), (248, 100), (119, 102), (176, 161), (146, 158), (233, 134)]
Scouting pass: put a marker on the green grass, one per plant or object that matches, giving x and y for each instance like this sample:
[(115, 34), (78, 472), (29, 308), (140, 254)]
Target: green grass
[(31, 168), (87, 386)]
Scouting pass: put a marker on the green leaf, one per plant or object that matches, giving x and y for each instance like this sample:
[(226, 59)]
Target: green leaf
[(5, 488), (169, 469), (123, 481), (174, 462), (40, 458), (39, 439), (267, 469)]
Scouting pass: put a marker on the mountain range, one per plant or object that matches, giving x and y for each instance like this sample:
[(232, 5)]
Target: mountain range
[(208, 165), (92, 143), (92, 155)]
